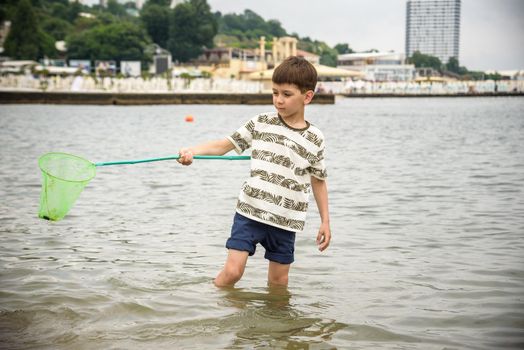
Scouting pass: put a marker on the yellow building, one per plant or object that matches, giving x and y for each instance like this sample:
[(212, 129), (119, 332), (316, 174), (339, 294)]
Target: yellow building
[(234, 63), (227, 62), (258, 64)]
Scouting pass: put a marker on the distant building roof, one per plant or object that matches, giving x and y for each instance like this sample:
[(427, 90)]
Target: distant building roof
[(18, 63), (365, 55)]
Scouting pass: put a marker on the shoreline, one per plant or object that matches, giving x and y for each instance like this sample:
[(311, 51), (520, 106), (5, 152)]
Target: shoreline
[(129, 99), (458, 94), (164, 98)]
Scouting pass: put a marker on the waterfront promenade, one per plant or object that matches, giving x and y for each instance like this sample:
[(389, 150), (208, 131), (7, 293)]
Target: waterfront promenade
[(160, 90)]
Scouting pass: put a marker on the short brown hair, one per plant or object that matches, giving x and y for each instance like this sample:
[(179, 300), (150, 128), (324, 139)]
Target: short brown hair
[(296, 70)]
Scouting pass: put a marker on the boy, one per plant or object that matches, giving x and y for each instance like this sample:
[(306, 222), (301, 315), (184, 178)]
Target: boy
[(287, 160)]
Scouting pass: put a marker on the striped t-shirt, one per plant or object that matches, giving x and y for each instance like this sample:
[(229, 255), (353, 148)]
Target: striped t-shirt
[(283, 159)]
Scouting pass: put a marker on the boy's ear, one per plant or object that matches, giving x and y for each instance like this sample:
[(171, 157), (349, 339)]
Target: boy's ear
[(308, 96)]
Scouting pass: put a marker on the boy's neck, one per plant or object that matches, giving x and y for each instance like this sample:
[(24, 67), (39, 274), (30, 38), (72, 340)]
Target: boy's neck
[(295, 121)]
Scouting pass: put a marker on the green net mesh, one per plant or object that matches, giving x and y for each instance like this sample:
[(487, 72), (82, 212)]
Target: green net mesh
[(64, 178)]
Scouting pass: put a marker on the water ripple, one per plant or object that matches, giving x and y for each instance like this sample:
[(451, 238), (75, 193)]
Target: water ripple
[(426, 213)]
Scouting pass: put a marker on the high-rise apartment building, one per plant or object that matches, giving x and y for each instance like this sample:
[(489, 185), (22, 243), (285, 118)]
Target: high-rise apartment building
[(433, 28)]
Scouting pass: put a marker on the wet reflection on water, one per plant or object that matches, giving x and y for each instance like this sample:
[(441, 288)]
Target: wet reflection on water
[(268, 319)]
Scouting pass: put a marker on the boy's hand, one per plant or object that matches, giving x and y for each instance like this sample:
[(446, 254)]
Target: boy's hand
[(186, 156), (323, 236)]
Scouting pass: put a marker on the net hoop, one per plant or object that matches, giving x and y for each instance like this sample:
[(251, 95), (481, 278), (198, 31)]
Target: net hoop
[(42, 160)]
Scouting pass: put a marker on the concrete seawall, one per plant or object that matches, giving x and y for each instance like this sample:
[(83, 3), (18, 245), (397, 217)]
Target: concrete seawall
[(102, 98), (473, 94)]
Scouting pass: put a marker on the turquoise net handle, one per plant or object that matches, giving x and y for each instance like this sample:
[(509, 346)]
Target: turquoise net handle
[(171, 158)]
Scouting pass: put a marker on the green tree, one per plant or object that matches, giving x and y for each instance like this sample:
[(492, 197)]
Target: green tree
[(73, 10), (329, 58), (25, 39), (192, 26), (328, 55), (343, 49), (274, 28), (163, 3), (59, 10), (309, 45), (231, 22), (247, 27), (492, 76), (7, 9), (83, 23), (56, 27), (155, 18), (421, 60), (251, 20), (115, 41), (453, 65), (116, 9)]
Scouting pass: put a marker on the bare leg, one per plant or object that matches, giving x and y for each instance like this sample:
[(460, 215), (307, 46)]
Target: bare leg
[(233, 269), (277, 274)]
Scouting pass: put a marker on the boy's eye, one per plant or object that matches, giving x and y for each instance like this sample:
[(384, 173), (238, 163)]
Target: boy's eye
[(286, 94)]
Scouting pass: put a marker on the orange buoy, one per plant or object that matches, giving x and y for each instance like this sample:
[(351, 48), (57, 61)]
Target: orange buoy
[(189, 118)]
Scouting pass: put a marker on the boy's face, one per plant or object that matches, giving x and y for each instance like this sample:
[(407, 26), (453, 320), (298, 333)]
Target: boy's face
[(289, 100)]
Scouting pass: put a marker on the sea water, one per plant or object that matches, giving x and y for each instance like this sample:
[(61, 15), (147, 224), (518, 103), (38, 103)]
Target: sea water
[(427, 214)]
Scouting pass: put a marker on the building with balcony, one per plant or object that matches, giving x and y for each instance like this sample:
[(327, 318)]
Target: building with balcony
[(378, 66)]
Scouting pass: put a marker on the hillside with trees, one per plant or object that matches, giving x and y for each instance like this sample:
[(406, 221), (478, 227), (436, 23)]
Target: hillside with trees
[(122, 32)]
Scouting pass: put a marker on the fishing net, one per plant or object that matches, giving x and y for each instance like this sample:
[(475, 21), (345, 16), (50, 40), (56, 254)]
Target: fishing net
[(64, 178)]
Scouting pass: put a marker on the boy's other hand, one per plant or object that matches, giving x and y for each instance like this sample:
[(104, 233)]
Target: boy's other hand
[(323, 236), (186, 156)]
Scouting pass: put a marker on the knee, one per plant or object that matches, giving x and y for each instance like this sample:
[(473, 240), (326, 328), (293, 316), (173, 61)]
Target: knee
[(233, 273)]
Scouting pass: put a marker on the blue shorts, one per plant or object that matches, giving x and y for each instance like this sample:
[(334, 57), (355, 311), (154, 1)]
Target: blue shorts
[(247, 233)]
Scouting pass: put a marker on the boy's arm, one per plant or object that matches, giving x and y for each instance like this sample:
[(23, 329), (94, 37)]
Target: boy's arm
[(212, 148), (321, 197)]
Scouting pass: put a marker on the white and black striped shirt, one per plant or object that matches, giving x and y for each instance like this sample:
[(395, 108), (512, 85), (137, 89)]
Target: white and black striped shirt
[(283, 159)]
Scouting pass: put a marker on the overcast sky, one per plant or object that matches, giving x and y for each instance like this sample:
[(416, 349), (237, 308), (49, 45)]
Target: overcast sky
[(492, 31)]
